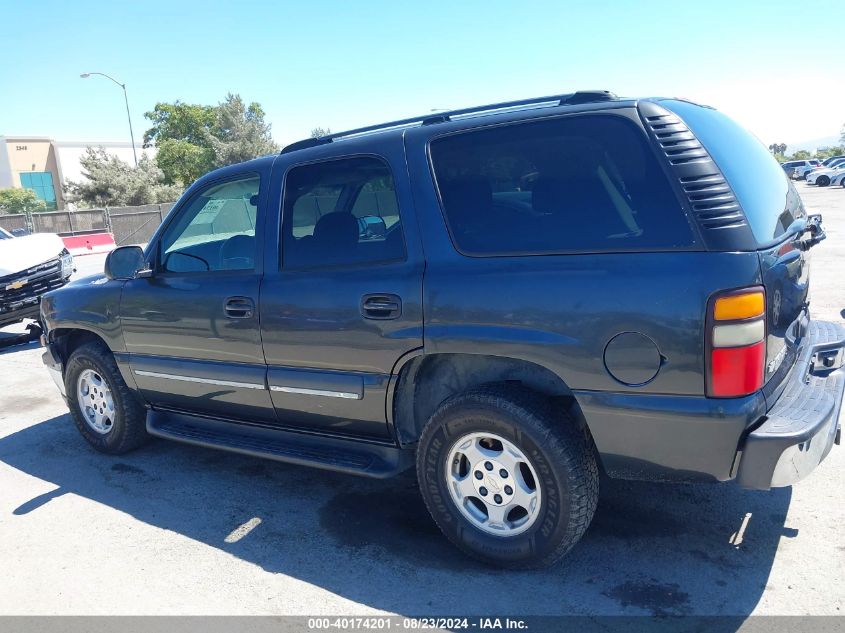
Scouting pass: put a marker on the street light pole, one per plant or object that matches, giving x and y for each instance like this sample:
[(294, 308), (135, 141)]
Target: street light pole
[(128, 116)]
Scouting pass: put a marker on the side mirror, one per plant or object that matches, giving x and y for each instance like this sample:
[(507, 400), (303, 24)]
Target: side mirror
[(371, 227), (126, 262)]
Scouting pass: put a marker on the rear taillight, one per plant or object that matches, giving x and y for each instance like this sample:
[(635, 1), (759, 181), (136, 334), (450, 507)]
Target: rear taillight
[(736, 342)]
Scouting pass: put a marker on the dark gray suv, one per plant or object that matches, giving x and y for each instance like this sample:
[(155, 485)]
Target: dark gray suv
[(513, 298)]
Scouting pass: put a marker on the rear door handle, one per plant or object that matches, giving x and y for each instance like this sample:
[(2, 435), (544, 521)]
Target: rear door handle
[(239, 307), (381, 306)]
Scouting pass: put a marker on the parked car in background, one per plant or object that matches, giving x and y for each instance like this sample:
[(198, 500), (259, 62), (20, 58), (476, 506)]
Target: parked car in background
[(791, 167), (823, 177), (838, 180), (30, 266), (832, 163), (831, 159)]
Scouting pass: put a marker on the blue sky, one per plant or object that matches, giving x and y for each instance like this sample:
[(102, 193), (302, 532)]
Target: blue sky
[(344, 64)]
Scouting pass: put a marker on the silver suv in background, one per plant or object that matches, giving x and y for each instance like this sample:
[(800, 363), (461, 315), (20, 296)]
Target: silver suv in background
[(797, 168)]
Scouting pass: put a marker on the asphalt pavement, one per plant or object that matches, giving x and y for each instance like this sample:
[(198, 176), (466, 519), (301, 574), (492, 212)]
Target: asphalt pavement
[(172, 529)]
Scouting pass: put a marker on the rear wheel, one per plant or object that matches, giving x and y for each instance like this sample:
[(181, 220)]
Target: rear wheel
[(823, 181), (105, 411), (507, 478)]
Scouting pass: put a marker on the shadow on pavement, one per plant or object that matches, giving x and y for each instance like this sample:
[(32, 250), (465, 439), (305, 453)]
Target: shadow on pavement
[(652, 548)]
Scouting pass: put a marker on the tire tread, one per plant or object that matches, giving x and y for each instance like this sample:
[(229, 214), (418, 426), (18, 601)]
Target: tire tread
[(563, 439), (134, 420)]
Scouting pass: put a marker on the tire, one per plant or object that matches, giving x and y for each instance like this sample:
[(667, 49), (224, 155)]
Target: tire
[(126, 429), (560, 453), (823, 181)]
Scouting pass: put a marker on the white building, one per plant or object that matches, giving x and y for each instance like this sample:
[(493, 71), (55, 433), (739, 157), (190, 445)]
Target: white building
[(43, 165)]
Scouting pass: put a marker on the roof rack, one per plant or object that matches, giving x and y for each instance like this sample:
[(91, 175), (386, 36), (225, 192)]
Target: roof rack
[(574, 98)]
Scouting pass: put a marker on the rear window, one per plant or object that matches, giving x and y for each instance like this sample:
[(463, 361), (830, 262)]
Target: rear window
[(574, 184), (766, 195)]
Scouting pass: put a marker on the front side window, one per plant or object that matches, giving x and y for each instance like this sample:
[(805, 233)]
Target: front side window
[(341, 212), (215, 231), (573, 184)]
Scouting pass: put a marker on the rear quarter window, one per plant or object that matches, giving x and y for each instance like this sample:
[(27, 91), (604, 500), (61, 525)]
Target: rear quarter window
[(586, 183), (763, 190)]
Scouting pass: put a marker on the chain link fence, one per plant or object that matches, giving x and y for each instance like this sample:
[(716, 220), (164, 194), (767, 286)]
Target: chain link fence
[(130, 225)]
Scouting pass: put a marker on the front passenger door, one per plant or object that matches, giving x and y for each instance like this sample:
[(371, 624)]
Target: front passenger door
[(191, 329)]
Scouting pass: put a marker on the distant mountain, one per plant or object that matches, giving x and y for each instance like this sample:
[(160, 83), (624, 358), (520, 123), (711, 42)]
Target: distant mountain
[(812, 145)]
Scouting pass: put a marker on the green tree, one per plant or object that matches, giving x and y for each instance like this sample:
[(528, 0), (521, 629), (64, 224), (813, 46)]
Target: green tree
[(240, 132), (778, 148), (20, 201), (827, 152), (319, 132), (801, 154), (112, 182), (178, 120), (182, 162), (193, 139)]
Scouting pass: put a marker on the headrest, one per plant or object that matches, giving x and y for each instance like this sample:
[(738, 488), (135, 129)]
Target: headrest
[(338, 228)]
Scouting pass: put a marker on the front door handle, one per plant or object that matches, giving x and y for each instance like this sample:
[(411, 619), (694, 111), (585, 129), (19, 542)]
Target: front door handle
[(381, 306), (239, 307)]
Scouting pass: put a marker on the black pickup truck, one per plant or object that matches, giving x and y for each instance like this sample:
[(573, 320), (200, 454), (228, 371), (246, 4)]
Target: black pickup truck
[(513, 298)]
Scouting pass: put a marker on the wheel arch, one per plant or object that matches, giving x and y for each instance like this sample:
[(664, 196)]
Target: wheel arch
[(425, 381), (67, 339)]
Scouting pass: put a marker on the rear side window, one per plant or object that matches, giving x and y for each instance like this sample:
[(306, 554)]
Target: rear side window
[(574, 184), (341, 212), (766, 195)]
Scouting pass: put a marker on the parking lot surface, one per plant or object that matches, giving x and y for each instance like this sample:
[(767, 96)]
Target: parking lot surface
[(172, 529)]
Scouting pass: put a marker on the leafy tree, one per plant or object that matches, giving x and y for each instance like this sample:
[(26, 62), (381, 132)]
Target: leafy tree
[(319, 132), (112, 182), (801, 154), (178, 120), (194, 139), (240, 132), (183, 162), (827, 152), (20, 201), (777, 148)]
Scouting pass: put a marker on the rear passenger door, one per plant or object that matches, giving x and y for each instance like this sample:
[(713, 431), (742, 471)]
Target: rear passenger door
[(341, 301)]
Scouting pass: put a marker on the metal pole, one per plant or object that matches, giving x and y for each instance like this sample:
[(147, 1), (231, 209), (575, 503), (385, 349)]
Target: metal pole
[(129, 116)]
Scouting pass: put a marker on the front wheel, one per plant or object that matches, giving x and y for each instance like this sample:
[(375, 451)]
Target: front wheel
[(823, 181), (508, 479), (105, 411)]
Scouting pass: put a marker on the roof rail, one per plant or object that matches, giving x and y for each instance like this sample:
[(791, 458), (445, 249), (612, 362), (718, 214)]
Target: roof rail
[(574, 98)]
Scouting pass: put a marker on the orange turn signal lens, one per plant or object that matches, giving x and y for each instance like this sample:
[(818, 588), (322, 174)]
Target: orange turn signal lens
[(742, 306)]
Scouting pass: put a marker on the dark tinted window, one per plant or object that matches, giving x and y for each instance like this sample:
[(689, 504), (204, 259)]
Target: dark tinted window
[(586, 183), (341, 212), (765, 193)]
